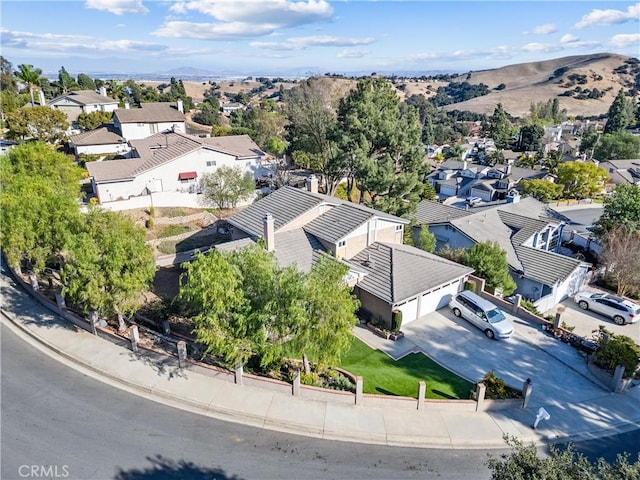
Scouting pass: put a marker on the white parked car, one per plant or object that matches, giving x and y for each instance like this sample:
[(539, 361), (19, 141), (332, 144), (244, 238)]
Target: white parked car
[(481, 313), (621, 310), (473, 201)]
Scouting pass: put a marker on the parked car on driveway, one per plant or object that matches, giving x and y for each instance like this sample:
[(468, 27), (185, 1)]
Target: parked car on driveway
[(481, 313), (473, 201), (621, 310)]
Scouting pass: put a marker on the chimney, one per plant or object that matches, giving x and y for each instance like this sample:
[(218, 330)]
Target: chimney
[(103, 91), (42, 100), (180, 106), (312, 184), (269, 235), (126, 105)]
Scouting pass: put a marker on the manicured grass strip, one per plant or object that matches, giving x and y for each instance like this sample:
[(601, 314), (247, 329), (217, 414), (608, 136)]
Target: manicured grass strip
[(383, 375)]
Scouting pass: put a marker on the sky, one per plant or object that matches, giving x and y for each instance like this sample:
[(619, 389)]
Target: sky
[(308, 37)]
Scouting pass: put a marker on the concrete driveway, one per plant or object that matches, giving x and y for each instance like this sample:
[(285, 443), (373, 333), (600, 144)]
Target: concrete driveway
[(586, 321), (558, 371)]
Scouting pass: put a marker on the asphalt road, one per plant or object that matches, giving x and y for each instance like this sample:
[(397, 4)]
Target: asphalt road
[(54, 416)]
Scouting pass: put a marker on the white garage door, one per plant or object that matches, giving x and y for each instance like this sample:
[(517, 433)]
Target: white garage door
[(438, 298), (409, 311)]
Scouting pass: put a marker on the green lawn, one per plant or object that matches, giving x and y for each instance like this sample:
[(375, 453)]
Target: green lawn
[(383, 375)]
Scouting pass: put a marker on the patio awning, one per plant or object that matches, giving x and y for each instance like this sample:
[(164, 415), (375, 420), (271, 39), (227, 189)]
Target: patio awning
[(187, 175)]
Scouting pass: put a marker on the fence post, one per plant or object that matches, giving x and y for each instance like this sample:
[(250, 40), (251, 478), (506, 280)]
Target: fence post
[(556, 321), (93, 320), (135, 337), (359, 396), (516, 303), (182, 353), (166, 327), (238, 373), (295, 388), (527, 390), (422, 390), (481, 391), (60, 303), (617, 379)]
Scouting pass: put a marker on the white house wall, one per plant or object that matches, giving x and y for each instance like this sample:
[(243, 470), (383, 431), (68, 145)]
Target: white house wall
[(135, 131), (164, 178)]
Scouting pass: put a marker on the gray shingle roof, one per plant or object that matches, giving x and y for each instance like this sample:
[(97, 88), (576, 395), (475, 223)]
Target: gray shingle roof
[(434, 212), (297, 247), (84, 97), (99, 136), (288, 203), (400, 272), (338, 222), (546, 267), (150, 113)]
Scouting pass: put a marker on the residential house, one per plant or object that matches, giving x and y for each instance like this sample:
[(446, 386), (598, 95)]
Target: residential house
[(82, 101), (150, 119), (528, 234), (298, 225), (170, 162), (455, 178), (623, 171), (231, 107), (103, 140), (499, 180)]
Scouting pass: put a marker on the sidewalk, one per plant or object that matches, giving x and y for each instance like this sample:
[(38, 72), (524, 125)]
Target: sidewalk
[(433, 427)]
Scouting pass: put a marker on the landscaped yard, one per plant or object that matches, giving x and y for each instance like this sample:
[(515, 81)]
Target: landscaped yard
[(383, 375)]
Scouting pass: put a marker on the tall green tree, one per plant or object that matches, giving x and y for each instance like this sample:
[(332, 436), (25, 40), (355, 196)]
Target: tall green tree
[(108, 265), (66, 82), (39, 123), (311, 109), (617, 146), (92, 120), (620, 114), (490, 262), (541, 189), (622, 207), (581, 179), (226, 187), (523, 463), (31, 77), (383, 145), (8, 80), (325, 331), (500, 128), (85, 82), (530, 137)]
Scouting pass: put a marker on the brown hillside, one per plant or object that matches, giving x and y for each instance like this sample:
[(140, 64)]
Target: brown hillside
[(527, 83)]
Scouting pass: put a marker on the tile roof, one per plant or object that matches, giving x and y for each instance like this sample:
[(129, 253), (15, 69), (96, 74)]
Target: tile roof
[(396, 273), (99, 136), (546, 267), (338, 222), (288, 203), (84, 97), (238, 145), (434, 212), (154, 112)]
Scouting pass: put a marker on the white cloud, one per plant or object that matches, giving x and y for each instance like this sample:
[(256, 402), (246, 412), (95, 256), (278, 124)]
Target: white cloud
[(300, 43), (599, 17), (625, 40), (350, 53), (568, 38), (245, 18), (212, 31), (117, 7), (545, 29)]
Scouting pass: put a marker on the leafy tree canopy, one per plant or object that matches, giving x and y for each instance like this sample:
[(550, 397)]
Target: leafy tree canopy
[(490, 262), (39, 123), (227, 186), (581, 179), (92, 120), (620, 114), (622, 207), (541, 189), (617, 146)]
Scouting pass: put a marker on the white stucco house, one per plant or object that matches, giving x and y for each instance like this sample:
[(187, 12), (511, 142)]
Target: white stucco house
[(170, 162), (103, 140), (149, 119), (82, 101), (528, 234)]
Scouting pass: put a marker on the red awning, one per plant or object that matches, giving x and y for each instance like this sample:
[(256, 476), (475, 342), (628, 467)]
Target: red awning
[(187, 175)]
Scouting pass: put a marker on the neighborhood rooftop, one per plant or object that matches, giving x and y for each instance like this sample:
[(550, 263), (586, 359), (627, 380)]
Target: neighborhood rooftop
[(154, 112)]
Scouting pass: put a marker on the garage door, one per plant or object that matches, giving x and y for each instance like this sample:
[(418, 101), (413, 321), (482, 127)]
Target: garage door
[(409, 311), (438, 298)]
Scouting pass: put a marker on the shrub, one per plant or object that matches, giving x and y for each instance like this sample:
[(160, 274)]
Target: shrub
[(619, 350), (471, 286), (496, 388), (171, 230), (396, 321), (309, 378)]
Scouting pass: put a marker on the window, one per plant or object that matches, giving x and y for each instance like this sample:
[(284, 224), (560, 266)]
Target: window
[(211, 163), (342, 243), (398, 228)]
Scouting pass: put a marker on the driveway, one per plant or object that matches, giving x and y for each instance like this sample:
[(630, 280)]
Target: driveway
[(585, 321), (557, 370)]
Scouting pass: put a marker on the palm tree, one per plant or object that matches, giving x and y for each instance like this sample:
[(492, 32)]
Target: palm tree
[(30, 76)]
